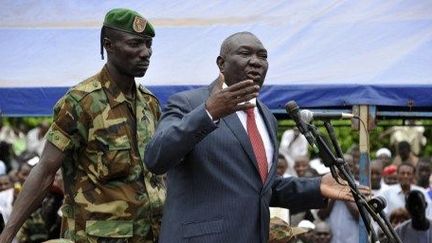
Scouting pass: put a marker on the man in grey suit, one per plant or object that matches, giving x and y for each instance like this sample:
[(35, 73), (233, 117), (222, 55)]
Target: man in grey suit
[(218, 145)]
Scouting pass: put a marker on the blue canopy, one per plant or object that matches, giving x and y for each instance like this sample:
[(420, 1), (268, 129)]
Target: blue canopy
[(321, 53)]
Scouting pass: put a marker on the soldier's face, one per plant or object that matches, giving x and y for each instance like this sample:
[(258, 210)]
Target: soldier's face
[(131, 54), (247, 59)]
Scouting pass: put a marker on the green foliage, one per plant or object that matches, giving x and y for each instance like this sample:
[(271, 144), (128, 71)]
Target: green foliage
[(25, 123), (347, 136)]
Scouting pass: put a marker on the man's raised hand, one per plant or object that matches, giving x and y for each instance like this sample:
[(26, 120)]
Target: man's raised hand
[(224, 101)]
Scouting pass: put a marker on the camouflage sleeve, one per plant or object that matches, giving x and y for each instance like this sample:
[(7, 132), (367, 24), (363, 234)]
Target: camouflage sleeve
[(158, 111), (64, 132), (155, 107), (33, 229), (152, 101)]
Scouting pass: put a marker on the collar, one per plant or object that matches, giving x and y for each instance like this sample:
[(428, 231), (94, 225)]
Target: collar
[(112, 91)]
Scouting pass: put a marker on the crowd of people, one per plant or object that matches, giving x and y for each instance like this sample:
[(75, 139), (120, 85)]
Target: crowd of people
[(20, 152), (395, 172), (394, 175), (214, 147)]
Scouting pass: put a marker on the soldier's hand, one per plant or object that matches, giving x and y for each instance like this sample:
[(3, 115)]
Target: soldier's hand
[(223, 102)]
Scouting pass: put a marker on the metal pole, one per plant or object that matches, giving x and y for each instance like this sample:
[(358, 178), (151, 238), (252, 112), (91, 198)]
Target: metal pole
[(367, 115)]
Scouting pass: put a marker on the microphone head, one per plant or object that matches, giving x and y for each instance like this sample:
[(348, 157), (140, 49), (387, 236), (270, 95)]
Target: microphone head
[(378, 203), (382, 200), (291, 106)]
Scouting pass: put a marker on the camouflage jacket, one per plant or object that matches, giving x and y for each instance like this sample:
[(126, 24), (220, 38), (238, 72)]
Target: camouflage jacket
[(34, 229), (108, 191)]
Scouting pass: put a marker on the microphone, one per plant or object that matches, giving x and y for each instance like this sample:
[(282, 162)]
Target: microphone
[(293, 110), (308, 115), (378, 203)]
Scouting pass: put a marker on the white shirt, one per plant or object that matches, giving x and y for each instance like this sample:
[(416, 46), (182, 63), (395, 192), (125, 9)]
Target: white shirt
[(344, 227), (395, 198), (34, 144), (262, 130), (291, 147), (6, 200), (408, 234)]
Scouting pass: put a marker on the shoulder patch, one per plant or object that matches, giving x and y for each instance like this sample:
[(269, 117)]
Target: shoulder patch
[(81, 90)]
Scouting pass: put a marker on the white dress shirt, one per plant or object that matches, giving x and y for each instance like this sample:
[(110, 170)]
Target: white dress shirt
[(396, 198)]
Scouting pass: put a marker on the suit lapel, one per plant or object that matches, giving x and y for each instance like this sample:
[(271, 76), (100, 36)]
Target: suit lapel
[(267, 117), (233, 123)]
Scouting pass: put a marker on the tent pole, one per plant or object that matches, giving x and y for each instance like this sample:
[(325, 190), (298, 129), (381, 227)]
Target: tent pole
[(367, 114)]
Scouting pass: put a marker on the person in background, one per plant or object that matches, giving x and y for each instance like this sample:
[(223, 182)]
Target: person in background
[(293, 144), (98, 136), (418, 229), (35, 139), (423, 173), (7, 194), (390, 175), (354, 151), (282, 166), (24, 170), (384, 154), (377, 183), (277, 212), (343, 216), (398, 216), (14, 135), (6, 155), (412, 132), (405, 155), (44, 224), (323, 233), (352, 164), (5, 182), (3, 168), (308, 236), (395, 195), (302, 167)]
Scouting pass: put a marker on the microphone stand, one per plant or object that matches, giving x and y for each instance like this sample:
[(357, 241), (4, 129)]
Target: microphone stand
[(373, 207)]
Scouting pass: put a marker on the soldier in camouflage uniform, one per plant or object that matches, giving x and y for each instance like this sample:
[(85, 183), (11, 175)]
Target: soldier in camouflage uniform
[(98, 136), (44, 223)]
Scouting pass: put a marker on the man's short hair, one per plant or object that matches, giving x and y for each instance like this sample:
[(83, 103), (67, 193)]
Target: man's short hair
[(404, 145), (226, 44)]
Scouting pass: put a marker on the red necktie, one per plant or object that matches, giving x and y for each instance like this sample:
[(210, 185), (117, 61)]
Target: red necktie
[(257, 144)]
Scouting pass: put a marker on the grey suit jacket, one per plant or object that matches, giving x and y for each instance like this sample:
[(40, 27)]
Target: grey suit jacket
[(215, 193)]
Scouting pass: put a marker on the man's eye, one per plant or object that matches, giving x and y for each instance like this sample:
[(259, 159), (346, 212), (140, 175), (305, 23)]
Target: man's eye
[(134, 44)]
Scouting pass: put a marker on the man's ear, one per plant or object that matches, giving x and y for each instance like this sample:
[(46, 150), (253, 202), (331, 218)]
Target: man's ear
[(107, 43), (220, 62)]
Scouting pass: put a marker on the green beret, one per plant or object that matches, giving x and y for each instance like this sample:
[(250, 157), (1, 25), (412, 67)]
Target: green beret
[(128, 21)]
